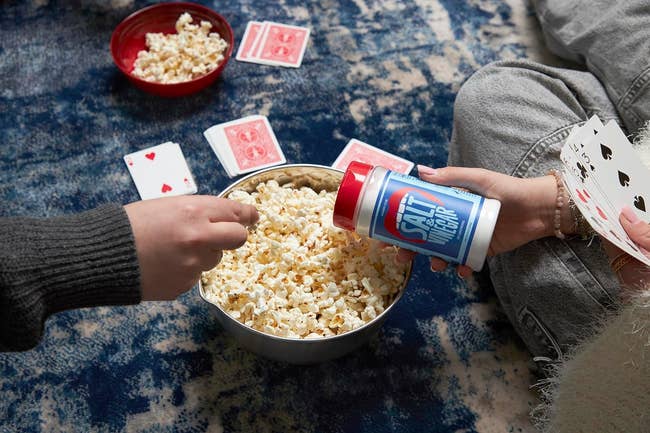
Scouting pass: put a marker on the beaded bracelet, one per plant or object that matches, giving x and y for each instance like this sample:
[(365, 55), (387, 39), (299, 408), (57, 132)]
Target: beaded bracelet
[(559, 202)]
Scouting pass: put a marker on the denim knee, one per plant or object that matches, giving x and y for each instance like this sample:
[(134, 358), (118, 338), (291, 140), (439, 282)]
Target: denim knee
[(477, 112), (506, 107)]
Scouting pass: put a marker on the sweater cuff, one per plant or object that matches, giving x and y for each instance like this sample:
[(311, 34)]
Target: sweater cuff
[(82, 260)]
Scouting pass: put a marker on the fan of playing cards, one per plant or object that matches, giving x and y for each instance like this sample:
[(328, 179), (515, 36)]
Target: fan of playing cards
[(603, 173)]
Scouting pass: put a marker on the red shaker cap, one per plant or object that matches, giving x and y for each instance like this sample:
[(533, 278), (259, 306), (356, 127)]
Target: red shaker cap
[(348, 195)]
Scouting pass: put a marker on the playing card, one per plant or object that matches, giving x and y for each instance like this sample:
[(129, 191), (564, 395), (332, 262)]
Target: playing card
[(255, 47), (575, 143), (609, 228), (586, 199), (579, 135), (586, 195), (160, 171), (583, 133), (357, 150), (245, 145), (590, 200), (618, 170), (250, 34), (281, 45), (574, 155), (577, 167)]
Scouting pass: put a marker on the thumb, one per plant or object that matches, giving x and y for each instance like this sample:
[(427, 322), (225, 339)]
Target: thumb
[(477, 180), (637, 229)]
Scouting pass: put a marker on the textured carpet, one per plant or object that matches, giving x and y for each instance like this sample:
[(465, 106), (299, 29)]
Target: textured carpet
[(383, 71)]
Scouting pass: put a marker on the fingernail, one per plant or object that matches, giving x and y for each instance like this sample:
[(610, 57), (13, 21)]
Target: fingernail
[(629, 215), (423, 169)]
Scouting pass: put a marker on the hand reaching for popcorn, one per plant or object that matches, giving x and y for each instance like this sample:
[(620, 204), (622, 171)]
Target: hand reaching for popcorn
[(177, 238)]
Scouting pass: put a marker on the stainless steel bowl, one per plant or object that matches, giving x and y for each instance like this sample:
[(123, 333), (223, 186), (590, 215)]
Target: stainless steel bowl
[(295, 350)]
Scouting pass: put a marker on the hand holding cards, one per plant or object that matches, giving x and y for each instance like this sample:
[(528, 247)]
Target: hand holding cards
[(603, 174)]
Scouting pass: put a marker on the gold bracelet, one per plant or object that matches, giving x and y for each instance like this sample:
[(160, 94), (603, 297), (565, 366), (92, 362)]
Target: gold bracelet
[(620, 261), (559, 202)]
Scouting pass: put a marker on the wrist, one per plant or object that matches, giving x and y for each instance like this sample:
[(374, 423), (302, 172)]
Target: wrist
[(555, 210)]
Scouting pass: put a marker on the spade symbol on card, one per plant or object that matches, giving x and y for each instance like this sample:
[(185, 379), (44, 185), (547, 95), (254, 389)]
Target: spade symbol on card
[(583, 170), (165, 188), (623, 179), (606, 152), (639, 203)]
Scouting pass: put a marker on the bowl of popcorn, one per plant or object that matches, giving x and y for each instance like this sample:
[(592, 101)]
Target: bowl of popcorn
[(301, 290), (172, 49)]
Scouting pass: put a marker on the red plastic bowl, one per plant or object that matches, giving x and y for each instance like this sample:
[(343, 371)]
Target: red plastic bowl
[(129, 38)]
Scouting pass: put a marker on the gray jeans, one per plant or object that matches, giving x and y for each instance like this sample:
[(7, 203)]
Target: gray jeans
[(514, 116)]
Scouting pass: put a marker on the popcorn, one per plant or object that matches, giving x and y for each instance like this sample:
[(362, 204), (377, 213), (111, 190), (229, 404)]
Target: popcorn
[(184, 56), (299, 276)]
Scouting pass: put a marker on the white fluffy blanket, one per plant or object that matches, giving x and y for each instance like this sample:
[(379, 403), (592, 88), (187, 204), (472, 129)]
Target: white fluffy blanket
[(605, 386)]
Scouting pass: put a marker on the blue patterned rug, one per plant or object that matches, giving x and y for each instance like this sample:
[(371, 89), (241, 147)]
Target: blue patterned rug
[(385, 72)]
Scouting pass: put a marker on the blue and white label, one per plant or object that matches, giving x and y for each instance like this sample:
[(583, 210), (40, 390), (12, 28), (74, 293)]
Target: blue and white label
[(424, 217)]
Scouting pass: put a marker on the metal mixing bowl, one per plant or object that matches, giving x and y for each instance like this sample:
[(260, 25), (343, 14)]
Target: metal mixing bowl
[(295, 350)]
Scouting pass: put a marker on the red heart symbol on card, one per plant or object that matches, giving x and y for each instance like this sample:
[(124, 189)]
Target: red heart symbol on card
[(151, 155), (601, 213), (166, 188)]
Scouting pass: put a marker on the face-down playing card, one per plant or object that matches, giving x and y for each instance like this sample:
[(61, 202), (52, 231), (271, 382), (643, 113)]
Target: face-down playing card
[(245, 46), (357, 150), (245, 145), (281, 44)]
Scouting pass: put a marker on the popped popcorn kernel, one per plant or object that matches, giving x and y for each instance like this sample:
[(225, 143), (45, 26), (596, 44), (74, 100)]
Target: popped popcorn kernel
[(298, 275), (176, 58)]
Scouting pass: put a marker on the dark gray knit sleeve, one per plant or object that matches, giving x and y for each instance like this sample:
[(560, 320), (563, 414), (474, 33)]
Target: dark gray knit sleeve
[(53, 264)]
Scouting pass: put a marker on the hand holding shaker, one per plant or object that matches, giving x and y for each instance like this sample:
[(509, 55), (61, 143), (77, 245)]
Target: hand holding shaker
[(402, 210)]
